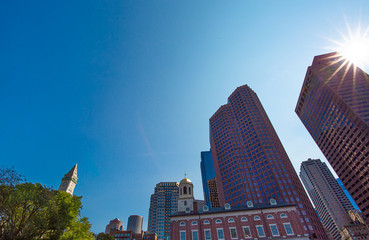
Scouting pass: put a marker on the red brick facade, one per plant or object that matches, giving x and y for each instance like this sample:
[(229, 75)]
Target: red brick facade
[(235, 223)]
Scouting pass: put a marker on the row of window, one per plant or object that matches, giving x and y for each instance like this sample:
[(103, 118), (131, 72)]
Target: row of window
[(231, 220), (233, 232)]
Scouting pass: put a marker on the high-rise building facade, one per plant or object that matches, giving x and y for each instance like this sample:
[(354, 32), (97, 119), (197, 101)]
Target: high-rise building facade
[(135, 223), (328, 197), (163, 203), (69, 181), (250, 162), (207, 173), (213, 193), (353, 203), (333, 105)]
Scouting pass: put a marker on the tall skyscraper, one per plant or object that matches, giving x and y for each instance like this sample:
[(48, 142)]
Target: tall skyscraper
[(69, 181), (347, 194), (207, 173), (334, 107), (250, 162), (163, 203), (328, 197)]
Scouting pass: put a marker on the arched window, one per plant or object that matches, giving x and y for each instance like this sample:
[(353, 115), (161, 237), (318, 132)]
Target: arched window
[(230, 220), (180, 191), (218, 221), (243, 219), (256, 218), (206, 222), (283, 215), (194, 223), (189, 190), (184, 190), (182, 224), (270, 216)]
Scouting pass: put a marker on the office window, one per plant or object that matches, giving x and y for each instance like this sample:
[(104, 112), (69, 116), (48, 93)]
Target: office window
[(182, 235), (220, 233), (274, 229), (233, 233), (260, 230), (247, 232), (195, 235), (288, 228), (207, 234)]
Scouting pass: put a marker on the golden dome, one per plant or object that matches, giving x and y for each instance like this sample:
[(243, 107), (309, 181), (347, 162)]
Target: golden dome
[(186, 180)]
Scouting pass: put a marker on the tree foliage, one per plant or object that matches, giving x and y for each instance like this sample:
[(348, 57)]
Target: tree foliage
[(32, 211), (9, 176), (104, 236)]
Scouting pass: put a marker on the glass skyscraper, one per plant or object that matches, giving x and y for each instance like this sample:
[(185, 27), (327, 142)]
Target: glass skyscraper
[(163, 203), (250, 162), (207, 173), (334, 107)]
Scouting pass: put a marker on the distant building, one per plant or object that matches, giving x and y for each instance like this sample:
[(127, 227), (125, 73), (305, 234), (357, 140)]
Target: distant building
[(135, 223), (265, 220), (328, 197), (130, 235), (357, 229), (347, 194), (333, 105), (114, 225), (163, 203), (69, 181), (208, 173), (213, 193), (250, 162)]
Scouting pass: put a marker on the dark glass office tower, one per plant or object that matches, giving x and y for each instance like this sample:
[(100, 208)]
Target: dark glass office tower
[(250, 162), (207, 173), (334, 107)]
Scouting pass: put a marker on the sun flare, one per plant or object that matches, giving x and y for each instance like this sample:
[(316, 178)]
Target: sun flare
[(354, 46)]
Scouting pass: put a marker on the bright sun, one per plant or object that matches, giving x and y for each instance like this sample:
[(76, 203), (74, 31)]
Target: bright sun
[(354, 46)]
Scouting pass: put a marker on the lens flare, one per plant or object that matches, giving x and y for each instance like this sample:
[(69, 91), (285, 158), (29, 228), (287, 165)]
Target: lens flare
[(354, 46)]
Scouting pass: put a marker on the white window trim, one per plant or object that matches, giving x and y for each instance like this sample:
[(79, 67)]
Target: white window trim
[(218, 234), (197, 233), (230, 232), (257, 218), (206, 222), (208, 229), (182, 224), (270, 226), (256, 226), (218, 221), (283, 215), (194, 223), (284, 225), (244, 219), (180, 234), (270, 216), (230, 220), (243, 227)]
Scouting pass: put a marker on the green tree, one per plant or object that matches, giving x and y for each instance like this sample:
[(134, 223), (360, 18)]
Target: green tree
[(32, 211), (104, 236), (9, 176)]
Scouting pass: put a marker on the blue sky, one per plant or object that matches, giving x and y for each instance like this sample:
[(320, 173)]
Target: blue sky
[(126, 88)]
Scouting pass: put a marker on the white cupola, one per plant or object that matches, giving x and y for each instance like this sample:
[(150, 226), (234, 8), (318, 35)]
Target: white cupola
[(185, 199)]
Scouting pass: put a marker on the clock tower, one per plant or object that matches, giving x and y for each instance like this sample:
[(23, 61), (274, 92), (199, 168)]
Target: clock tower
[(185, 199), (69, 181)]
